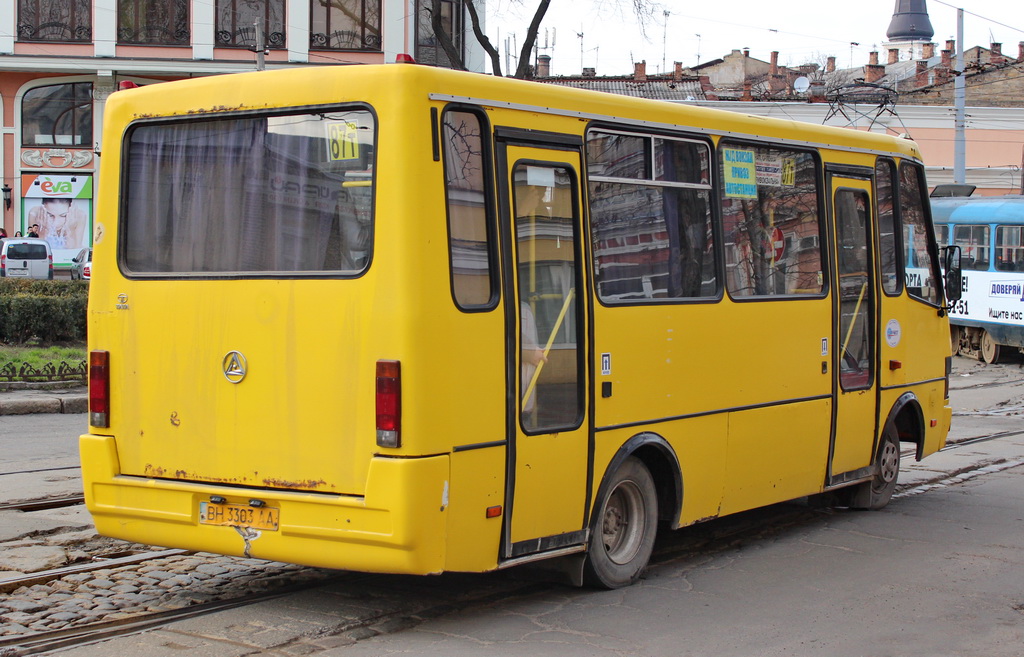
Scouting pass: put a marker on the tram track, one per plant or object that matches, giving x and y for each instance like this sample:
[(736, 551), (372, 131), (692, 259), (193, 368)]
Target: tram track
[(43, 504), (725, 534)]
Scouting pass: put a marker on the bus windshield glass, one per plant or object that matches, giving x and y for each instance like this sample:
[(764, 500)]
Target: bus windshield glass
[(266, 195)]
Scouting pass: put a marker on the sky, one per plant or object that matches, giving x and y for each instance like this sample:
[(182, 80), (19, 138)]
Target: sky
[(802, 31)]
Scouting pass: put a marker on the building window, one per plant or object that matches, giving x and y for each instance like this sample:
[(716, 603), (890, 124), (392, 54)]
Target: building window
[(345, 24), (236, 23), (59, 114), (428, 47), (153, 22), (55, 20)]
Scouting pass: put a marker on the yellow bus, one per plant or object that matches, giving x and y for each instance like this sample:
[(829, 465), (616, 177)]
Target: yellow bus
[(409, 320)]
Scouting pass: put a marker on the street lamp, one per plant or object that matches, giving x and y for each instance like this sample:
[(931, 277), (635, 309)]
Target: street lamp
[(7, 195)]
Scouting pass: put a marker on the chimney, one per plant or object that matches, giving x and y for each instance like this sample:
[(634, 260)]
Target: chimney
[(927, 50), (543, 66), (677, 73), (894, 55), (774, 70), (640, 71), (746, 52), (873, 58), (951, 45), (830, 63), (947, 57), (1020, 50), (873, 72), (996, 56), (922, 73)]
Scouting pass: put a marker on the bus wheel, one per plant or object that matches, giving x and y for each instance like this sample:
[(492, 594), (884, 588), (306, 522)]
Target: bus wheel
[(876, 493), (954, 339), (989, 348), (623, 527)]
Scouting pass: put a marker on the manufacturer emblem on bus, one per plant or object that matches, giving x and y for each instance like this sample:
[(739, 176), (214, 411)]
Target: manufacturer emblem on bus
[(235, 367)]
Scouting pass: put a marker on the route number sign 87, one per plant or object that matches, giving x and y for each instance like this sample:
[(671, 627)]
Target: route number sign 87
[(344, 141)]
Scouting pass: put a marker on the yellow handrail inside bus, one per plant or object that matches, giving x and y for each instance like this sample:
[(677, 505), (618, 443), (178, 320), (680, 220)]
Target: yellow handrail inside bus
[(856, 311), (547, 347)]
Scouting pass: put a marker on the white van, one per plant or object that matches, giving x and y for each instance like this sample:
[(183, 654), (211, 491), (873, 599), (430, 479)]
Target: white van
[(25, 257)]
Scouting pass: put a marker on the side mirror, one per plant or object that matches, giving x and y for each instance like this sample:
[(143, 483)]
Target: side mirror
[(954, 279)]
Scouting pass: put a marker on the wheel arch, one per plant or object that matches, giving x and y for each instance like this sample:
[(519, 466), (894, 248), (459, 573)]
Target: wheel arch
[(661, 461), (907, 417)]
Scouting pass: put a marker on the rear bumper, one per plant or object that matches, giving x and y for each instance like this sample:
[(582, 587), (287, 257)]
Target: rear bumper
[(397, 527)]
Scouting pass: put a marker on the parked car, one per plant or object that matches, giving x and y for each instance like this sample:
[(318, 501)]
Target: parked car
[(26, 257), (87, 268), (79, 264)]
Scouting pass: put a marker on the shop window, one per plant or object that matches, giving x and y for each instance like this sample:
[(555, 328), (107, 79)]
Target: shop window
[(237, 20), (153, 22), (57, 115), (345, 24), (64, 21)]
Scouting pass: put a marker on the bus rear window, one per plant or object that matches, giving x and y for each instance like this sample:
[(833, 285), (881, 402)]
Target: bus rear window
[(268, 195)]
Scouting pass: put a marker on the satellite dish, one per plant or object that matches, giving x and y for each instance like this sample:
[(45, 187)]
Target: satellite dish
[(801, 84)]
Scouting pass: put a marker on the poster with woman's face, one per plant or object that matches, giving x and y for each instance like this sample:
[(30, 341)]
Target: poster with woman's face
[(58, 209)]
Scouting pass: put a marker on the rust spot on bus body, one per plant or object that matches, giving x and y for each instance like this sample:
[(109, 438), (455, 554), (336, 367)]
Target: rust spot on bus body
[(296, 485)]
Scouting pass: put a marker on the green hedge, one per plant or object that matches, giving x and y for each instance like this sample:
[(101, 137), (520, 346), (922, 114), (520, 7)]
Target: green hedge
[(49, 311)]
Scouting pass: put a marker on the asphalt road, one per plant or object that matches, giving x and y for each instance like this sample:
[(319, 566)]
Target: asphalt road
[(940, 571)]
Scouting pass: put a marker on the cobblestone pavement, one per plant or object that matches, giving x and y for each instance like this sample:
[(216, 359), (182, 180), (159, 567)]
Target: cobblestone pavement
[(162, 584)]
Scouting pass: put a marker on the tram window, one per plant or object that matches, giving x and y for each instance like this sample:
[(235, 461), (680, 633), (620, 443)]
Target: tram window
[(973, 242), (1009, 249), (770, 199), (922, 271), (652, 232), (469, 224), (888, 235)]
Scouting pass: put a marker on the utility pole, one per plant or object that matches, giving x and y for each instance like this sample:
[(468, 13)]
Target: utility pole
[(580, 36), (260, 48), (664, 40), (959, 102)]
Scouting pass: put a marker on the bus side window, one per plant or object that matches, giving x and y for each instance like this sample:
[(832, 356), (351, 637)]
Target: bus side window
[(888, 234), (470, 236), (771, 216), (922, 271)]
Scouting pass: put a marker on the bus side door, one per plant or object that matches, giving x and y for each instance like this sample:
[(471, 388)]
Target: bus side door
[(548, 423), (855, 332)]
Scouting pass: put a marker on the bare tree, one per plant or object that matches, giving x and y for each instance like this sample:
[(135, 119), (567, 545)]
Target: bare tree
[(643, 9)]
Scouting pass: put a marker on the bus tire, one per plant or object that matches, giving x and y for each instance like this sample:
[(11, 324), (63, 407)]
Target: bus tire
[(876, 493), (989, 351), (623, 527)]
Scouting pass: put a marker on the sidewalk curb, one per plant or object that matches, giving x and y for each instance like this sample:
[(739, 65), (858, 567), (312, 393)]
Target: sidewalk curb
[(68, 404)]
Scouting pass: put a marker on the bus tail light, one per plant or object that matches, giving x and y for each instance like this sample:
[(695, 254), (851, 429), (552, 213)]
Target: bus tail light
[(99, 388), (389, 403)]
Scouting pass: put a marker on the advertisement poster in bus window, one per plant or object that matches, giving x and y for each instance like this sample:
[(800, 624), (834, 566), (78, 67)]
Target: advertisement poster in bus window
[(62, 208), (739, 173)]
